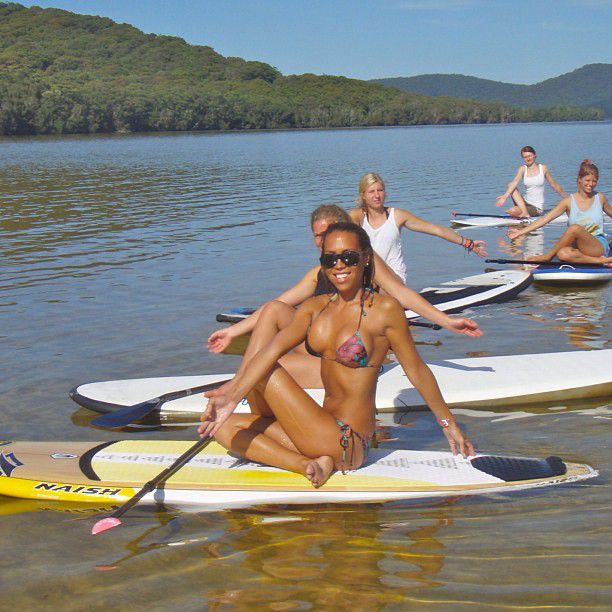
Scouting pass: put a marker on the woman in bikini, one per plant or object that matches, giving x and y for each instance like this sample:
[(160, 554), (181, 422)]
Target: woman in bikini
[(533, 175), (270, 318), (585, 240), (351, 330), (383, 225)]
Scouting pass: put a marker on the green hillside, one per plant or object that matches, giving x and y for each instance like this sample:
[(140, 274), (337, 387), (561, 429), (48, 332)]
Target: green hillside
[(586, 87), (67, 73)]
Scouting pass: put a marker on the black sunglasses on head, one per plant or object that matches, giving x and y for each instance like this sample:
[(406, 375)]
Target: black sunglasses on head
[(348, 258)]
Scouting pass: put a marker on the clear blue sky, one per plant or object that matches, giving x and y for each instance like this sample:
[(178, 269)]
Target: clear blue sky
[(505, 40)]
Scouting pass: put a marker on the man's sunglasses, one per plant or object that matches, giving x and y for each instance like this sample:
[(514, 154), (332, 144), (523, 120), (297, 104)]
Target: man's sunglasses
[(348, 258)]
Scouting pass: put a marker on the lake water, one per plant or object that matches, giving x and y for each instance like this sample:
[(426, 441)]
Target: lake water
[(117, 253)]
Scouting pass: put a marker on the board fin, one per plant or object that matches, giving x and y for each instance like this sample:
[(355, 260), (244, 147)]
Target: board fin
[(511, 469)]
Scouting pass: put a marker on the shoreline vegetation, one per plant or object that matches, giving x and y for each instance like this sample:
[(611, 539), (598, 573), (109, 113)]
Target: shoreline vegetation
[(63, 73)]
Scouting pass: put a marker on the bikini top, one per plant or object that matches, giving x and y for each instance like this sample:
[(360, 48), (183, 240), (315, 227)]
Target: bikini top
[(352, 352)]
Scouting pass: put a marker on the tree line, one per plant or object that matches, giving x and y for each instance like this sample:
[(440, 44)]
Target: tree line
[(62, 73)]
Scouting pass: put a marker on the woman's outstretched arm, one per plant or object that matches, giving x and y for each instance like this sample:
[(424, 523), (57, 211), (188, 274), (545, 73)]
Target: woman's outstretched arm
[(220, 339), (553, 183), (422, 378), (511, 187), (411, 300), (410, 221), (223, 401), (557, 211)]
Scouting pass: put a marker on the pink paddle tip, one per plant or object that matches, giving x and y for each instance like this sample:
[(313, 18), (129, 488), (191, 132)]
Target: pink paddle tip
[(104, 525)]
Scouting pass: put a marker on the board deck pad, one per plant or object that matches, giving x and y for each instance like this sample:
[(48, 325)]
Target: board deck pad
[(114, 471), (473, 382)]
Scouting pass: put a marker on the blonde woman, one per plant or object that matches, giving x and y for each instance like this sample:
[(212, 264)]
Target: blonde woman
[(383, 225)]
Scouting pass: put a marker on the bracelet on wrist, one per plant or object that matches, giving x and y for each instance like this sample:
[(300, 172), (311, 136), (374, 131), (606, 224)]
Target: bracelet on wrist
[(468, 245), (446, 422)]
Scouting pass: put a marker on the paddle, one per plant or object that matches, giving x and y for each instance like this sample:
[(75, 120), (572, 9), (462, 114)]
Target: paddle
[(128, 414), (113, 520), (546, 263), (423, 324)]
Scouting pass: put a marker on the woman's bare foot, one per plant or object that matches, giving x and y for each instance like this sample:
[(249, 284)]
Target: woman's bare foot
[(517, 213), (318, 470)]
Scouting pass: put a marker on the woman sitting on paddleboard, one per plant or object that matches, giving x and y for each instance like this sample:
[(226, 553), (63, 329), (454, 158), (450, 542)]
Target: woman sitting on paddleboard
[(351, 329), (267, 320), (533, 175), (585, 240), (383, 225)]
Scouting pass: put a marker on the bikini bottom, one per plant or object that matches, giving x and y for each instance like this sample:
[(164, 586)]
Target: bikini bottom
[(347, 438), (604, 243)]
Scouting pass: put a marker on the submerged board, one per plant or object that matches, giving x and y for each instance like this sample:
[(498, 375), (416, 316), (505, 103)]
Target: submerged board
[(498, 221), (450, 296), (476, 382), (112, 472), (566, 274)]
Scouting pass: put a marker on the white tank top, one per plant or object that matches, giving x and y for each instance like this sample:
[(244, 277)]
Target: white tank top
[(387, 244), (534, 188)]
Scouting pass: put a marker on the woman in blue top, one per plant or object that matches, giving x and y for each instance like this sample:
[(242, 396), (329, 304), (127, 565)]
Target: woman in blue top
[(351, 330), (585, 240)]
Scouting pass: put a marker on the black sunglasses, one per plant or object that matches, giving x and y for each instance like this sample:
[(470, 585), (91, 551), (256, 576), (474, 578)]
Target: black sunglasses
[(348, 258)]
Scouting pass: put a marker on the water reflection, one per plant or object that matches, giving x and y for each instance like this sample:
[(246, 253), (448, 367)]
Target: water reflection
[(582, 314)]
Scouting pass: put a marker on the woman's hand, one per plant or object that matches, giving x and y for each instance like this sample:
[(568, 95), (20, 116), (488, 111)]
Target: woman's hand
[(463, 325), (480, 248), (219, 340), (501, 200), (219, 408), (513, 233), (458, 441)]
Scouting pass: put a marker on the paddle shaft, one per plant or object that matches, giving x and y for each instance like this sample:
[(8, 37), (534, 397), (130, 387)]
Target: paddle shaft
[(544, 263), (150, 486), (423, 324), (128, 414)]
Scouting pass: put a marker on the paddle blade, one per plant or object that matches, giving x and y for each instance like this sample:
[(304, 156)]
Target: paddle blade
[(105, 524), (126, 416)]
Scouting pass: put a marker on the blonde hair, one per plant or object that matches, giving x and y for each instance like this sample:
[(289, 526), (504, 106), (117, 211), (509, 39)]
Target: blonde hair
[(588, 167), (329, 212), (369, 178)]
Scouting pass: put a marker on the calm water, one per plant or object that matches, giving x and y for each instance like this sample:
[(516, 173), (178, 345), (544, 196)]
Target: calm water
[(115, 255)]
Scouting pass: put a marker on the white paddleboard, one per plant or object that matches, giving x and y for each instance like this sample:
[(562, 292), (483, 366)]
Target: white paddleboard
[(112, 472), (478, 290), (450, 296), (566, 274), (492, 221), (475, 382)]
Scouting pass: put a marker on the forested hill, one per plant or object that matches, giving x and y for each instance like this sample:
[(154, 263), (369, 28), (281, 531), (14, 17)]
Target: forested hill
[(67, 73), (589, 86)]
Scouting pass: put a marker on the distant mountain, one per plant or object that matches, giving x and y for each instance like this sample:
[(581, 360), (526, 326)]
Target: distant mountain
[(62, 73), (586, 87)]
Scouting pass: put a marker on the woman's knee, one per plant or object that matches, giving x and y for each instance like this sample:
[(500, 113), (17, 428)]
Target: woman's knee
[(277, 312), (574, 229)]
